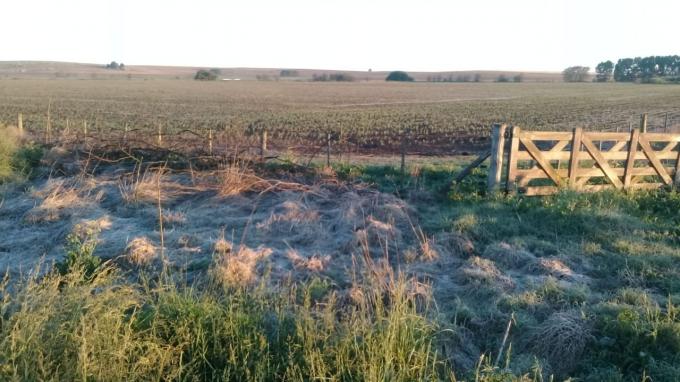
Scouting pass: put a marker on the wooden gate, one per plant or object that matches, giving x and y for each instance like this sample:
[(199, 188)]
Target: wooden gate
[(540, 163)]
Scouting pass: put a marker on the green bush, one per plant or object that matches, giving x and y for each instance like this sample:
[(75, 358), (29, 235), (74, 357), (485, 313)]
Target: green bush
[(16, 158), (399, 76)]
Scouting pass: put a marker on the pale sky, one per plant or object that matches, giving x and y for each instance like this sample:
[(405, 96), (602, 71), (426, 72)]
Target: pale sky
[(426, 35)]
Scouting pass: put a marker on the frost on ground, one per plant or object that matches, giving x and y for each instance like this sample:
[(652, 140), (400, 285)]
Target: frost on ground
[(237, 227)]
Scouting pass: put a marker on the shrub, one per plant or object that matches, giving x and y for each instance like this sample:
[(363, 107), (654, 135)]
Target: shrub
[(17, 159), (399, 76), (207, 75)]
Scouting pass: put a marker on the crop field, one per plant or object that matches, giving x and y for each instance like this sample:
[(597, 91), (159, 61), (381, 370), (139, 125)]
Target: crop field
[(433, 118)]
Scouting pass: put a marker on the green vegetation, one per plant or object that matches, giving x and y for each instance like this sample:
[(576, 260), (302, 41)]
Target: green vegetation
[(83, 325), (207, 75), (334, 77), (17, 159), (399, 76), (576, 74), (648, 69), (606, 307)]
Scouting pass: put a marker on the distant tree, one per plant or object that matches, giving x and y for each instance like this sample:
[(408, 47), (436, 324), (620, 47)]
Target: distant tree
[(518, 78), (399, 76), (502, 78), (115, 66), (206, 75), (338, 77), (648, 69), (478, 77), (604, 71), (288, 73), (576, 74)]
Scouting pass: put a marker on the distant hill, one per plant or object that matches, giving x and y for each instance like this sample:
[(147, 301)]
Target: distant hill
[(48, 69)]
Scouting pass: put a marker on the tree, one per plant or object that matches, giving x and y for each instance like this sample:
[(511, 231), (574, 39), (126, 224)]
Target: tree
[(502, 78), (207, 75), (399, 76), (604, 71), (518, 77), (576, 74), (288, 73), (115, 66), (478, 77)]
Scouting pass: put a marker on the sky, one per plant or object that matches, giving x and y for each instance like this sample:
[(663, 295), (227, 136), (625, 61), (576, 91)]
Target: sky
[(424, 35)]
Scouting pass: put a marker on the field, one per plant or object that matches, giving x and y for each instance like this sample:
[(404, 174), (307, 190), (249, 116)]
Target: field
[(142, 264), (368, 116)]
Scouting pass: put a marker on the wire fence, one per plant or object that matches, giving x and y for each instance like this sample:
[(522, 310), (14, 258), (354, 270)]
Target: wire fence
[(256, 141)]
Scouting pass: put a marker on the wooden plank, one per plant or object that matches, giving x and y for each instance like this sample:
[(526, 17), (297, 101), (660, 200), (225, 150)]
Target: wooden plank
[(537, 173), (545, 135), (662, 137), (630, 162), (647, 148), (618, 146), (559, 146), (497, 149), (545, 165), (609, 155), (601, 162), (468, 169), (575, 152), (606, 136), (512, 159)]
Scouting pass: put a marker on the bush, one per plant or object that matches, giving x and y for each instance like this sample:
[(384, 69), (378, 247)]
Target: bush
[(207, 75), (399, 76), (17, 159)]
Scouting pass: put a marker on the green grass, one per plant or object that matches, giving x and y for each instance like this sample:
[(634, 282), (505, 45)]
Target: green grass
[(85, 323), (18, 159)]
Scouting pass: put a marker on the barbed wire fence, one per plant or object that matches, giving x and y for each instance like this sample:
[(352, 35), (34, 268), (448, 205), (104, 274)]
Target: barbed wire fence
[(213, 138)]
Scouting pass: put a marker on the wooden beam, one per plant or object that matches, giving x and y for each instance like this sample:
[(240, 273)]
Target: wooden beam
[(597, 156), (574, 160), (468, 169), (512, 159), (630, 162), (544, 164), (647, 148), (497, 149)]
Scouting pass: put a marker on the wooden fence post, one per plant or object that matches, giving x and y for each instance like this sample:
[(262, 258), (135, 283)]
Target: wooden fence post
[(512, 159), (497, 149), (263, 143), (643, 123), (210, 142), (402, 149), (328, 150), (20, 123), (574, 158), (48, 124), (665, 124), (160, 134)]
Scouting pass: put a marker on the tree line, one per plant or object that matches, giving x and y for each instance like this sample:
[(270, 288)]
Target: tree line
[(640, 69)]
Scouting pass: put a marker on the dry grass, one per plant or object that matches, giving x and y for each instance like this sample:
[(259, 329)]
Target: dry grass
[(561, 339)]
